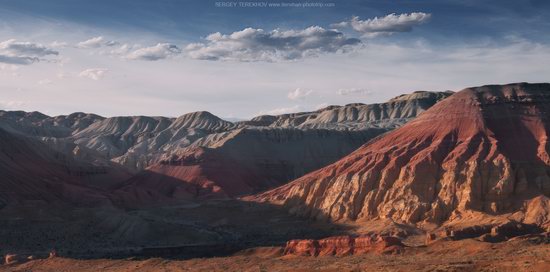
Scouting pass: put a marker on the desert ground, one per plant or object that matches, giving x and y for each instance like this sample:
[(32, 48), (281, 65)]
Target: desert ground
[(521, 254)]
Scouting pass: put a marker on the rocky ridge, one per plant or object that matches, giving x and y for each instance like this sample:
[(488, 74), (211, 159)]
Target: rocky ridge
[(344, 245), (357, 116)]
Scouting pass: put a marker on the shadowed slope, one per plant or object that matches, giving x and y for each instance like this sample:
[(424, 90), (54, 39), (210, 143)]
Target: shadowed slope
[(31, 173)]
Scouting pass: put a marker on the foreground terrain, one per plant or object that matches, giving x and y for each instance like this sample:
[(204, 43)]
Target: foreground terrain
[(524, 254)]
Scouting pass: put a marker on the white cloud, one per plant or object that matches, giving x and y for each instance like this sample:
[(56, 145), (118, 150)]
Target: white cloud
[(23, 53), (157, 52), (96, 42), (93, 73), (299, 93), (354, 91), (389, 24), (258, 45)]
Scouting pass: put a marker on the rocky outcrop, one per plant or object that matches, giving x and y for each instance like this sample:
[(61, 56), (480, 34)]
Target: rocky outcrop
[(345, 245), (486, 232), (480, 153)]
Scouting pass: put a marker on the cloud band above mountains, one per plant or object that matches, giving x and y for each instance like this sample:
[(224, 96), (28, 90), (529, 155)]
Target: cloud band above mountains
[(247, 45), (253, 44)]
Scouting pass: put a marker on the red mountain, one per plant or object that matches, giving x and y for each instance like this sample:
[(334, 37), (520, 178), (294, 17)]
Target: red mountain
[(478, 156)]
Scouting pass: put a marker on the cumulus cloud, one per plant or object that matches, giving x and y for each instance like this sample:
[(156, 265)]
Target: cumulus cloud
[(258, 45), (353, 91), (23, 53), (157, 52), (389, 24), (93, 73), (299, 93), (96, 42)]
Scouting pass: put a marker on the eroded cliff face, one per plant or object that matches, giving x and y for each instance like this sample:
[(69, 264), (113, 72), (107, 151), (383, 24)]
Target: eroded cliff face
[(344, 245), (483, 151)]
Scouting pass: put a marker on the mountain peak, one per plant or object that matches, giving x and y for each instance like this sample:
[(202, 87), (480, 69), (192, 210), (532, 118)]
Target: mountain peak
[(201, 120)]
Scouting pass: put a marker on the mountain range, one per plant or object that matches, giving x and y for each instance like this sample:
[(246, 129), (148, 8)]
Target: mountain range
[(451, 166), (201, 155)]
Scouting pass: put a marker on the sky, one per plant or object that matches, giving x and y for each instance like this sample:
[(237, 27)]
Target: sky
[(239, 59)]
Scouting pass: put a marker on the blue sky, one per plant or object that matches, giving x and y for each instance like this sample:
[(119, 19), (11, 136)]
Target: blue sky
[(164, 58)]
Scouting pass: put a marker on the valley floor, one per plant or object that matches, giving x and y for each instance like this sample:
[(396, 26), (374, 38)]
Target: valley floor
[(521, 254)]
